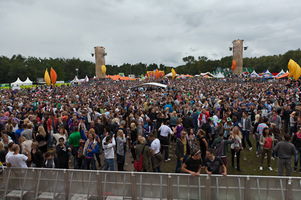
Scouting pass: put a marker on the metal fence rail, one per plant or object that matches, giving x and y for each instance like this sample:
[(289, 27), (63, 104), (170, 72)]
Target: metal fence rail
[(38, 183)]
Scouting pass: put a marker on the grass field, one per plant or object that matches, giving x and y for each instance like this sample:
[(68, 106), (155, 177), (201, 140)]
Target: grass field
[(249, 163)]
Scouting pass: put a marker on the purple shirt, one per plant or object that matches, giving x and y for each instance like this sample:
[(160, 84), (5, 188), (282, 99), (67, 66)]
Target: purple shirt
[(179, 130)]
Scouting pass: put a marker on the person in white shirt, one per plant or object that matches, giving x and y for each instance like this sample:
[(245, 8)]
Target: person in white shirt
[(165, 131), (18, 160), (155, 151), (9, 151), (108, 147)]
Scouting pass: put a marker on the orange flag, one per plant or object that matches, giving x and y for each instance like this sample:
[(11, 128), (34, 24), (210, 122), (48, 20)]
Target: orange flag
[(53, 76), (233, 65), (157, 73)]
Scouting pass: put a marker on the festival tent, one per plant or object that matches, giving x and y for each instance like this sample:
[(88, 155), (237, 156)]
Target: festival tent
[(267, 74), (207, 74), (27, 82), (254, 74), (169, 75), (282, 76), (280, 73), (75, 80), (86, 79), (118, 77), (219, 75), (17, 83)]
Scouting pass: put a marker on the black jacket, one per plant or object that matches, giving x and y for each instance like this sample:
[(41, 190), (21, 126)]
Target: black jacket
[(62, 157), (180, 148)]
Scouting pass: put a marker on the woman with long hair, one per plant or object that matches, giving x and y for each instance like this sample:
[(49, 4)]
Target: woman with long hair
[(133, 139), (41, 139), (121, 140), (267, 143), (236, 147)]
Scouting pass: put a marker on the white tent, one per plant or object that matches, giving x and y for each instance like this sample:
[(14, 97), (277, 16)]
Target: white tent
[(280, 73), (267, 74), (75, 80), (86, 78), (27, 82), (254, 74), (170, 75), (17, 83), (207, 74), (219, 75)]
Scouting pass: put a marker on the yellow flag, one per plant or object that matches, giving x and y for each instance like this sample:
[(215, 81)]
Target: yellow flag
[(47, 78), (294, 70), (103, 69), (173, 73)]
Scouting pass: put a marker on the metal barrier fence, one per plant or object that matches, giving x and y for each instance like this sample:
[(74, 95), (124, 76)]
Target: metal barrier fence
[(37, 183)]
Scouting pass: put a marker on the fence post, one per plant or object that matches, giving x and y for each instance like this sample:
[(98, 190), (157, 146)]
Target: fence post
[(133, 185), (66, 184), (208, 189), (99, 185), (289, 189), (247, 188), (169, 187)]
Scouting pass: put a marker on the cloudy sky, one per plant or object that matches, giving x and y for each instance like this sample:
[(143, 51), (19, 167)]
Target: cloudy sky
[(148, 31)]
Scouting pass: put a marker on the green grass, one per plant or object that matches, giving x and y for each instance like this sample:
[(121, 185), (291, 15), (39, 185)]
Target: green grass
[(249, 163)]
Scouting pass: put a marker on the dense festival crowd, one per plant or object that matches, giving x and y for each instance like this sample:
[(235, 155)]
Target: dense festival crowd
[(59, 127)]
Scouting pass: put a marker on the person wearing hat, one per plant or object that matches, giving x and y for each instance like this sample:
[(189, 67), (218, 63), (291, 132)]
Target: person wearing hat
[(227, 128), (193, 164)]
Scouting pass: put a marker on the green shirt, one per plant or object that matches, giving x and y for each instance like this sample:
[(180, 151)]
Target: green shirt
[(226, 142), (74, 139)]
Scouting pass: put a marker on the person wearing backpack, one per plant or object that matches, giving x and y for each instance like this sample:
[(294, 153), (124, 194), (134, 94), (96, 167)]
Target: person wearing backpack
[(143, 149), (221, 146), (236, 147)]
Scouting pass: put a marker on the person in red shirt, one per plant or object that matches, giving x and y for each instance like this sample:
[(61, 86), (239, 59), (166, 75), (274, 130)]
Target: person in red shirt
[(266, 141)]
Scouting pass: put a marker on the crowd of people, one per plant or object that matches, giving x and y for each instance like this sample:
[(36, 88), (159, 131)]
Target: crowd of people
[(52, 126)]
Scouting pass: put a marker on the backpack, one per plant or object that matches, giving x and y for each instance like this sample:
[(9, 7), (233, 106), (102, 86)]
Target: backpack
[(138, 165), (220, 149), (236, 145)]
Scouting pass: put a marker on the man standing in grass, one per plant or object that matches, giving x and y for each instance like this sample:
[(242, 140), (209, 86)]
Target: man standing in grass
[(73, 140), (286, 150)]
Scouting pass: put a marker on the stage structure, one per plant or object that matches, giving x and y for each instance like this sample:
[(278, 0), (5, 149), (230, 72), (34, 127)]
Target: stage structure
[(237, 49), (99, 61)]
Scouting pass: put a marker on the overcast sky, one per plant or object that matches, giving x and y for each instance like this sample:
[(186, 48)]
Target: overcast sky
[(148, 31)]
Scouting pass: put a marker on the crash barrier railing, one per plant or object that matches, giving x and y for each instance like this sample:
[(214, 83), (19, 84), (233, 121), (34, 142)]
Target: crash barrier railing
[(40, 183)]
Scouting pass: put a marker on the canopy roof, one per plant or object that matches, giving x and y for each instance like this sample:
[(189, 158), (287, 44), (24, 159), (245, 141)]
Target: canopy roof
[(207, 74), (282, 76), (267, 74), (18, 82), (27, 82), (280, 73), (151, 84), (219, 75), (254, 74)]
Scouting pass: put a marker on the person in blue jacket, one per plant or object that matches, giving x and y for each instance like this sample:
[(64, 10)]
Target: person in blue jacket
[(90, 148)]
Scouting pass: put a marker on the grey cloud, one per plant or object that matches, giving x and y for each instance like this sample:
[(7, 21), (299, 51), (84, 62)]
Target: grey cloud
[(147, 31)]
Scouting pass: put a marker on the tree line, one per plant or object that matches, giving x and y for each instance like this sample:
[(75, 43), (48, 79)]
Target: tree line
[(32, 67)]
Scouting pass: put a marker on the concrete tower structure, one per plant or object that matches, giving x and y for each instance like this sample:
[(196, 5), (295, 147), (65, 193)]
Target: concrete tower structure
[(99, 61), (238, 55)]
